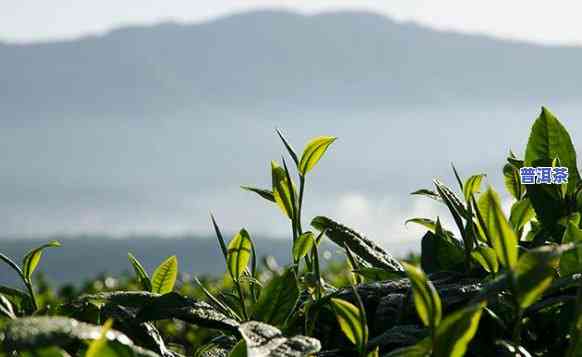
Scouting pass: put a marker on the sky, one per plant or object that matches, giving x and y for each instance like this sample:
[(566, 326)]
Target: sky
[(546, 22)]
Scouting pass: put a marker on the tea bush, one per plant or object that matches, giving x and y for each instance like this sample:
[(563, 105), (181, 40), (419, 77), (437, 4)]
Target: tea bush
[(507, 285)]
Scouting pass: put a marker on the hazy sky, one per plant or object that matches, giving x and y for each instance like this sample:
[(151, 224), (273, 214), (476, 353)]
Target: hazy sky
[(541, 21)]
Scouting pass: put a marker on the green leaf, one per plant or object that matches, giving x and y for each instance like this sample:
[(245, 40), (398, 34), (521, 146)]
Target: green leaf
[(358, 244), (219, 236), (428, 223), (266, 194), (549, 140), (165, 275), (426, 299), (99, 346), (303, 245), (239, 254), (264, 340), (427, 193), (521, 213), (441, 252), (571, 261), (277, 300), (313, 152), (283, 190), (502, 236), (422, 348), (141, 274), (456, 331), (32, 258), (349, 320), (535, 272), (37, 332), (239, 350), (288, 147), (512, 181), (176, 306), (472, 185), (486, 257)]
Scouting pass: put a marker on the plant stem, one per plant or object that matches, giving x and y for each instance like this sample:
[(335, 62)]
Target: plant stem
[(32, 296), (242, 300)]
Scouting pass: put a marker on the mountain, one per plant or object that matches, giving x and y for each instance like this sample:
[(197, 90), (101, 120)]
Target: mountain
[(277, 60), (145, 129)]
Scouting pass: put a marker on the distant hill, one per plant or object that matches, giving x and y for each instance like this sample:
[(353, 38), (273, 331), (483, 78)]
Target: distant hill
[(275, 60), (145, 129)]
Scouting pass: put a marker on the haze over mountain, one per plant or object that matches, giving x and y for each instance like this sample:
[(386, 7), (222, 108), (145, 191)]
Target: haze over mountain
[(146, 129)]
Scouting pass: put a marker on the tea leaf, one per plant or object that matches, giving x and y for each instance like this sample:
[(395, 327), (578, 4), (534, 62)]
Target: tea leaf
[(521, 213), (98, 346), (501, 234), (277, 300), (427, 193), (176, 306), (303, 245), (548, 140), (288, 147), (313, 152), (571, 261), (142, 275), (358, 244), (219, 236), (512, 181), (6, 307), (349, 320), (282, 190), (239, 254), (535, 272), (266, 194), (441, 252), (472, 185), (32, 258), (165, 275), (456, 331), (426, 299), (422, 348), (486, 257)]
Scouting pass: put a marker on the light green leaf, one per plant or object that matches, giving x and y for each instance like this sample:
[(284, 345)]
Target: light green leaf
[(141, 274), (349, 320), (239, 254), (502, 236), (303, 245), (98, 347), (512, 181), (422, 348), (521, 213), (165, 276), (32, 258), (283, 190), (313, 152), (472, 185), (486, 257), (571, 261), (456, 331), (535, 272), (426, 298)]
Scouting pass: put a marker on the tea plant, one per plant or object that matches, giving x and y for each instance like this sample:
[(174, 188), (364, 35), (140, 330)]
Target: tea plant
[(497, 284)]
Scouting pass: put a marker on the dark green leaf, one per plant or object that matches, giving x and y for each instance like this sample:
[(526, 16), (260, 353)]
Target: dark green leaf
[(141, 274), (441, 252), (288, 147), (176, 306), (266, 194), (422, 348), (277, 300), (571, 261)]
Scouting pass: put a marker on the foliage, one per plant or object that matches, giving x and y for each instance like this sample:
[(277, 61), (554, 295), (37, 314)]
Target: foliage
[(496, 283)]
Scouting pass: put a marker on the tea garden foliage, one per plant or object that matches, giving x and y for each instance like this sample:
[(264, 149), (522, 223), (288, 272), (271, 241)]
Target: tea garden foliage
[(498, 283)]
